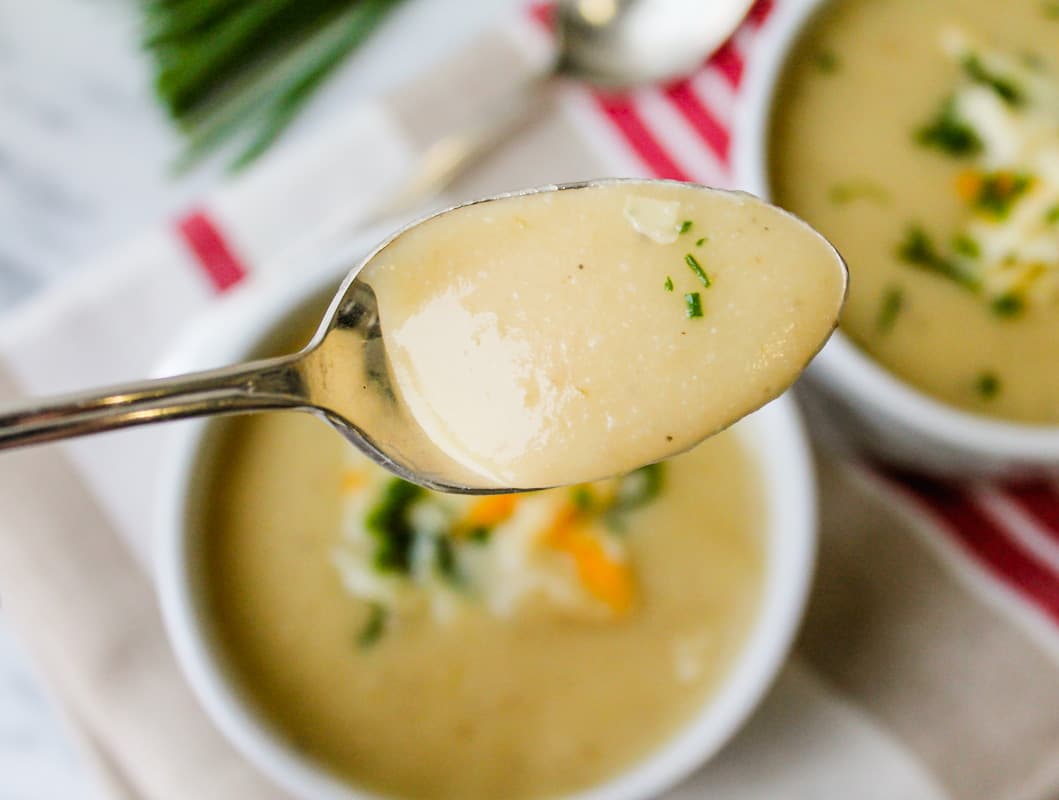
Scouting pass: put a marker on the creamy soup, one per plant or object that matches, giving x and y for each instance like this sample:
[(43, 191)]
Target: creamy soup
[(437, 646), (922, 137), (557, 337)]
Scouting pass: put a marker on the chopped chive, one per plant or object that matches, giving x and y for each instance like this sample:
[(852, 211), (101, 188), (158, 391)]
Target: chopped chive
[(1035, 61), (374, 627), (827, 62), (999, 191), (1007, 305), (388, 523), (702, 241), (696, 267), (685, 226), (949, 133), (668, 284), (892, 303), (581, 497), (693, 305), (1008, 91), (966, 246), (987, 385), (918, 249), (479, 534), (842, 193), (445, 562), (1051, 216)]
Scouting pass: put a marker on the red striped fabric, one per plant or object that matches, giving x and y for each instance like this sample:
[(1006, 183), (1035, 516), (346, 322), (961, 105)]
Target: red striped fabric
[(760, 12), (1039, 500), (623, 114), (729, 62), (700, 116), (211, 251), (986, 541)]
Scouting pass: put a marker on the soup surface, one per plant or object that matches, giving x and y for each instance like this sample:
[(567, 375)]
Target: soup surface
[(922, 138), (557, 337), (437, 646)]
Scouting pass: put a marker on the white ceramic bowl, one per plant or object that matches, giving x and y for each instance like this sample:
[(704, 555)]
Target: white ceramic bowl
[(894, 419), (236, 329)]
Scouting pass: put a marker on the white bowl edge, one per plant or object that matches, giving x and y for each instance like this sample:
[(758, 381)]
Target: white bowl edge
[(889, 416)]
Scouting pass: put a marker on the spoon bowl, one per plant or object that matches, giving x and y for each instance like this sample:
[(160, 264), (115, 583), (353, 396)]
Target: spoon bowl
[(618, 43)]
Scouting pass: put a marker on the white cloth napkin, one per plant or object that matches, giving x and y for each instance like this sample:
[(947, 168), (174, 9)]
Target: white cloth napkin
[(928, 664)]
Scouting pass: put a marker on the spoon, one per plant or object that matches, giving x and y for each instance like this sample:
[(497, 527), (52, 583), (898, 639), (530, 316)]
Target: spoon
[(343, 376), (606, 43)]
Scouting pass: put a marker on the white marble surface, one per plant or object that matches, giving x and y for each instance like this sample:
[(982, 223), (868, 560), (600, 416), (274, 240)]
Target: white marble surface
[(83, 164)]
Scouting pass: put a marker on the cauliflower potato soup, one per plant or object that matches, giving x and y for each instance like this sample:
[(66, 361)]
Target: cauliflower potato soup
[(922, 138), (553, 337), (439, 646)]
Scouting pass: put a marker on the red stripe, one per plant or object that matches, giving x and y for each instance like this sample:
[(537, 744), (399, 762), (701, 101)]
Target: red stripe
[(214, 255), (760, 12), (544, 15), (729, 62), (1039, 500), (983, 539), (623, 114), (701, 118)]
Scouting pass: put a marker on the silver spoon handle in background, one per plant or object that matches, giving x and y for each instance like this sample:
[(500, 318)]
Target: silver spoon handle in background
[(444, 160), (270, 384), (449, 156)]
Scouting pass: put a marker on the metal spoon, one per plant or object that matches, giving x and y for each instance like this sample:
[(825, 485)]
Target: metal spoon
[(342, 375), (606, 43)]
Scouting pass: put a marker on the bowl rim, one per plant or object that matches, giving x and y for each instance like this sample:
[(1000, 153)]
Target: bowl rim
[(841, 363), (235, 325)]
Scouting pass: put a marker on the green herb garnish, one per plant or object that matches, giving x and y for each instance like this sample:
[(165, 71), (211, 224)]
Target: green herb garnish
[(1006, 89), (1034, 61), (827, 62), (948, 133), (479, 534), (389, 524), (1050, 9), (668, 284), (227, 69), (582, 498), (696, 267), (1051, 216), (685, 226), (860, 189), (998, 192), (693, 305), (374, 627), (892, 303), (917, 249), (966, 246), (1007, 305), (987, 385), (445, 561), (700, 242), (637, 489)]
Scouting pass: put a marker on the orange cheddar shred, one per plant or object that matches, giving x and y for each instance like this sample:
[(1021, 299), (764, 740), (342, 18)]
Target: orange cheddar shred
[(609, 581), (492, 510)]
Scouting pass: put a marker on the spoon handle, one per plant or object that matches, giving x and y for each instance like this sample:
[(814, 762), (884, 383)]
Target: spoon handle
[(449, 156), (269, 384)]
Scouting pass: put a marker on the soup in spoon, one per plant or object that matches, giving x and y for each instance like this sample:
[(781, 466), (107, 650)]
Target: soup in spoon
[(555, 337)]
